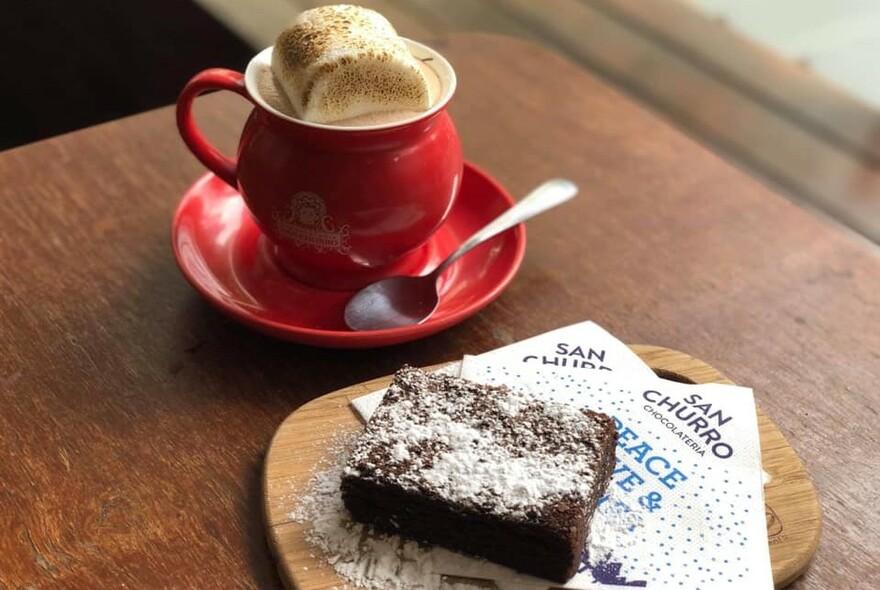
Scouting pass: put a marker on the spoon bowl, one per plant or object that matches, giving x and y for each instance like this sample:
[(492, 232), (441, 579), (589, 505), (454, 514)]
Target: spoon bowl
[(400, 301), (392, 303)]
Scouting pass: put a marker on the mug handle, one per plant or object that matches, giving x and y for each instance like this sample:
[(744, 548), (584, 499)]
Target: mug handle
[(214, 160)]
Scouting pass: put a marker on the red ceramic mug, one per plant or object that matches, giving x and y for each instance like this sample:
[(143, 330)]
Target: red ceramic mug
[(339, 204)]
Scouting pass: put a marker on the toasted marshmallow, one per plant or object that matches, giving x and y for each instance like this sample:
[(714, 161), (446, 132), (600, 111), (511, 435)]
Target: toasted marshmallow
[(339, 62)]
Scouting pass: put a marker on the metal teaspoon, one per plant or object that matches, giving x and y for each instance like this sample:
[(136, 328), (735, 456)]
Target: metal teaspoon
[(400, 301)]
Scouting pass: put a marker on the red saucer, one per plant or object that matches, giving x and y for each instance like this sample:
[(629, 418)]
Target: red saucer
[(223, 254)]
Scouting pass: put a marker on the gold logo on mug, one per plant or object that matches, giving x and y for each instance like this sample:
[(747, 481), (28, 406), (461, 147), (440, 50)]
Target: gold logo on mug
[(305, 222)]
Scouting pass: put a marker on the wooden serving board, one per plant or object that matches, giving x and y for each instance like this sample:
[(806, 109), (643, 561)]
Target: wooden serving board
[(794, 520)]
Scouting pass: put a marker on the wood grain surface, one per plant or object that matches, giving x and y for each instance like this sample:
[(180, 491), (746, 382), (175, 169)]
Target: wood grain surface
[(306, 440), (134, 418)]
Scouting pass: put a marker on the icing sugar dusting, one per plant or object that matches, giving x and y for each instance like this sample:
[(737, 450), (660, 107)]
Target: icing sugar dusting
[(489, 447), (613, 529), (363, 558), (472, 472)]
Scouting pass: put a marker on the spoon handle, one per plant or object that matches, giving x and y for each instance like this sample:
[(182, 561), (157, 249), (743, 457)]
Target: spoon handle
[(548, 195)]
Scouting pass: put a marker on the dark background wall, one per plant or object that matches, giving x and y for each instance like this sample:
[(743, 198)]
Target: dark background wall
[(68, 64)]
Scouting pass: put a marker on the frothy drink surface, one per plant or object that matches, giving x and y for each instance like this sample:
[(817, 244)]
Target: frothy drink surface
[(271, 91)]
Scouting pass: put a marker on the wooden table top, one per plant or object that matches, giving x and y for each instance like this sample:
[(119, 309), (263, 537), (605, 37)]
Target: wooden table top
[(134, 417)]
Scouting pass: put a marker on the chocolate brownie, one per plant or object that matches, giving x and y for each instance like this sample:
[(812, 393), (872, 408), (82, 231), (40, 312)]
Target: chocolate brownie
[(482, 470)]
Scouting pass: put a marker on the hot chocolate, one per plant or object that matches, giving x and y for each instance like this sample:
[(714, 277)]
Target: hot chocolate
[(344, 185)]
